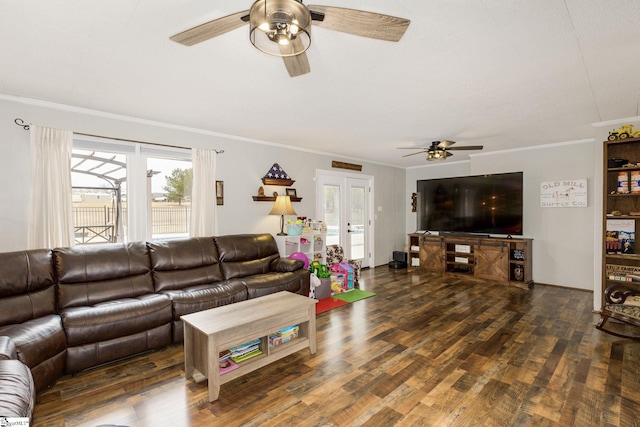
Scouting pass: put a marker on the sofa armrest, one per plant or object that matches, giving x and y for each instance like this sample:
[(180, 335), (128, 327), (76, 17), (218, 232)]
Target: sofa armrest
[(618, 293), (7, 349), (285, 265)]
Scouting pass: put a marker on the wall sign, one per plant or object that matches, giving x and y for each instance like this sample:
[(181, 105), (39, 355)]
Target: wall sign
[(568, 193)]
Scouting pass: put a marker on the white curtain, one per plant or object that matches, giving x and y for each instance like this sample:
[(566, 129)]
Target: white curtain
[(203, 194), (50, 205)]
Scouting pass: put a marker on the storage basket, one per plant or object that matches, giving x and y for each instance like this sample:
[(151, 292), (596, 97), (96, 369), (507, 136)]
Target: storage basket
[(294, 229)]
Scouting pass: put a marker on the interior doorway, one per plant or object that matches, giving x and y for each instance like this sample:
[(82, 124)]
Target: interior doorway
[(344, 202)]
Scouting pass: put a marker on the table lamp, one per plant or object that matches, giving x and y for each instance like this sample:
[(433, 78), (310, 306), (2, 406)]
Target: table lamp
[(282, 207)]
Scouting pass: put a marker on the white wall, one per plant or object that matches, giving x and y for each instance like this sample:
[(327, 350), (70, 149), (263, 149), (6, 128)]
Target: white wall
[(563, 244), (241, 167)]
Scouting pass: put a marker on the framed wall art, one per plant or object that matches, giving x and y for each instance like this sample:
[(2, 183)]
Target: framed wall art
[(291, 192), (219, 193)]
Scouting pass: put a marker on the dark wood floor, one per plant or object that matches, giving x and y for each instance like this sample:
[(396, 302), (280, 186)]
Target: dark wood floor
[(427, 350)]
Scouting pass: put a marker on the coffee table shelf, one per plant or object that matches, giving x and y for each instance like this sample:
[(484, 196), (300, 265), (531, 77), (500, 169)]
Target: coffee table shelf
[(208, 332)]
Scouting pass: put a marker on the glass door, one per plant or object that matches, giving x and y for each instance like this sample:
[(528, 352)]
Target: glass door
[(357, 215), (344, 204)]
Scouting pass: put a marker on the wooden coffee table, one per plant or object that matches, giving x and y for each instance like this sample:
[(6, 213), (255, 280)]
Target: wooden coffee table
[(208, 332)]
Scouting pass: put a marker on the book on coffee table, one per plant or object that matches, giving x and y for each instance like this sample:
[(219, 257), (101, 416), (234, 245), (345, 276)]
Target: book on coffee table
[(227, 365), (246, 356)]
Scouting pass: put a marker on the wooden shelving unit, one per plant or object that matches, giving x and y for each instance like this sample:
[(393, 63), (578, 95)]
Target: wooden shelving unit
[(621, 212), (460, 258), (413, 252)]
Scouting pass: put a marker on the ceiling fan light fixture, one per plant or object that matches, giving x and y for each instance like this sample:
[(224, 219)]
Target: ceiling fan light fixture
[(280, 27), (436, 154)]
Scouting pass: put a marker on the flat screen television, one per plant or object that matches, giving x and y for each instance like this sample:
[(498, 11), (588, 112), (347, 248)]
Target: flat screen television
[(482, 204)]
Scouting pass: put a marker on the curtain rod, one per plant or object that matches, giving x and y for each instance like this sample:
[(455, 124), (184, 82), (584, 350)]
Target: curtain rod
[(26, 126)]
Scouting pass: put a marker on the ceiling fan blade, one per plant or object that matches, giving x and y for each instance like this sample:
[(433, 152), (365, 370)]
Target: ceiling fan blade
[(297, 65), (413, 154), (445, 143), (361, 23), (212, 29), (467, 147), (412, 148)]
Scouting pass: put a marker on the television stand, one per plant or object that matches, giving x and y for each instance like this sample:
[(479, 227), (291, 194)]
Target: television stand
[(502, 259)]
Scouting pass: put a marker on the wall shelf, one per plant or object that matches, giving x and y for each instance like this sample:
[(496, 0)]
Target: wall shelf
[(274, 181), (272, 199)]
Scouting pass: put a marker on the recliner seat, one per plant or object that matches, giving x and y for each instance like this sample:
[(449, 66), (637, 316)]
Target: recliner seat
[(108, 304)]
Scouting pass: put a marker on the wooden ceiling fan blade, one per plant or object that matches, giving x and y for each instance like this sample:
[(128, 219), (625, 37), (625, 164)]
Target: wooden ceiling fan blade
[(297, 65), (361, 23), (212, 29), (467, 147), (413, 154), (444, 143)]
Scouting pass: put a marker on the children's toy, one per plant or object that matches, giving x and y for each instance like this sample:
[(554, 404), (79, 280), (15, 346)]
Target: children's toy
[(320, 270), (345, 270), (624, 132), (302, 257), (337, 284)]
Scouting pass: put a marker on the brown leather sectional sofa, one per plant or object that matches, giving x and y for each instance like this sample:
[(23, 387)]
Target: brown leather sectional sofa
[(69, 309)]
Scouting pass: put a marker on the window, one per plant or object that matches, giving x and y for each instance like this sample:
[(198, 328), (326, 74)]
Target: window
[(129, 191), (170, 197)]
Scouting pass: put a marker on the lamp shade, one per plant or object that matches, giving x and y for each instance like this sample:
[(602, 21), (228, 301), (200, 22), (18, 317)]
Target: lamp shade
[(282, 206)]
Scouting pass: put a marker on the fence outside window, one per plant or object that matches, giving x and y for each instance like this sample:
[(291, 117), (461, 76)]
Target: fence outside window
[(96, 224)]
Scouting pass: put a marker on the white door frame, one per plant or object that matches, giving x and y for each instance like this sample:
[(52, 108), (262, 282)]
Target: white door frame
[(342, 177)]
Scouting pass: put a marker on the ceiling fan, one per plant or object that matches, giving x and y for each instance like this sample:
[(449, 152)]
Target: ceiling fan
[(439, 150), (283, 28)]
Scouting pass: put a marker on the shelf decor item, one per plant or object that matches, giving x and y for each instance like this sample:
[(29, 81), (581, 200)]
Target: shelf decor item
[(277, 176), (291, 192), (620, 236), (517, 254), (282, 207), (295, 228), (623, 132)]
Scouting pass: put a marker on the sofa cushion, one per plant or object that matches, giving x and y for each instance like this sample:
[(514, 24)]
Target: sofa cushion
[(283, 265), (177, 264), (117, 318), (26, 286), (37, 340), (7, 348), (89, 275), (203, 297), (244, 255), (41, 344), (17, 391), (269, 283)]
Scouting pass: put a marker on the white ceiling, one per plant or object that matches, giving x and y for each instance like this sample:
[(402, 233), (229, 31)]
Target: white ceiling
[(501, 73)]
